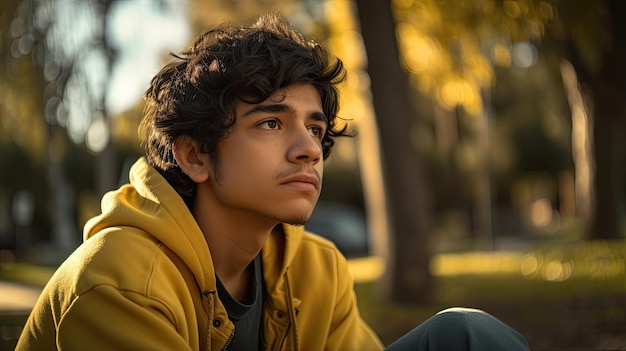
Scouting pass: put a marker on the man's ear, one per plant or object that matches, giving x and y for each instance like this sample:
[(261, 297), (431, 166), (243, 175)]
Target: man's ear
[(191, 161)]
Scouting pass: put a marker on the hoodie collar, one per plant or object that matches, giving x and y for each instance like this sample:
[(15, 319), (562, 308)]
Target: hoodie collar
[(278, 253)]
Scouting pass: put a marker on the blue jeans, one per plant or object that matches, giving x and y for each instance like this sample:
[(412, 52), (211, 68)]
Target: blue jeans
[(461, 329)]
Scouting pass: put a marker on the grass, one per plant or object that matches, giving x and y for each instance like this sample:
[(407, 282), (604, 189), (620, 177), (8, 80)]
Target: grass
[(574, 313), (565, 297), (11, 322), (26, 273)]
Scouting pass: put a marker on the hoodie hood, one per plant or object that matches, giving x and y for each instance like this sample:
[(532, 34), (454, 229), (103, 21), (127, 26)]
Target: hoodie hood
[(150, 203)]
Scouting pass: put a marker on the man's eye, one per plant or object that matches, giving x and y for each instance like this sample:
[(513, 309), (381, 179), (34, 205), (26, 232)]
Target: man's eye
[(270, 124), (316, 131)]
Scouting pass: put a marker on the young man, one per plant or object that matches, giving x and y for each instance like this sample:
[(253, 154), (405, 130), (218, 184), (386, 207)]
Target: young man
[(205, 249)]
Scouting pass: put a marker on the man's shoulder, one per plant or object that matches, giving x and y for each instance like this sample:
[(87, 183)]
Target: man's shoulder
[(317, 268), (121, 258), (320, 251)]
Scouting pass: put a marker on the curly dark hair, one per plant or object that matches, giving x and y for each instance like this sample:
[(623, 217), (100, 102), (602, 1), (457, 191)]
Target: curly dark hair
[(195, 96)]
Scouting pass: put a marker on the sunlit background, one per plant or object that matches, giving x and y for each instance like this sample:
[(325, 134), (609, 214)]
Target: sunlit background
[(507, 192)]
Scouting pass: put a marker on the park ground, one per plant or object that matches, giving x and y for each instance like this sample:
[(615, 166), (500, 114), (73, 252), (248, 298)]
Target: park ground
[(565, 296), (559, 295)]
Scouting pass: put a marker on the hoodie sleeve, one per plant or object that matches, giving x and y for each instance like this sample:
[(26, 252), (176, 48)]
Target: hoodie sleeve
[(106, 318)]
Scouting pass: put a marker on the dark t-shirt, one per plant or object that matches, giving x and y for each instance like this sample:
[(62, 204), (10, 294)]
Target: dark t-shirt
[(247, 318)]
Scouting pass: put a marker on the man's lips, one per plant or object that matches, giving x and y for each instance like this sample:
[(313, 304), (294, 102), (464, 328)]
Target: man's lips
[(305, 181)]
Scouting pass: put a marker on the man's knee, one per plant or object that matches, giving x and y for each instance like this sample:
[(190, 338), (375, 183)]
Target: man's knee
[(464, 318), (461, 329), (475, 328)]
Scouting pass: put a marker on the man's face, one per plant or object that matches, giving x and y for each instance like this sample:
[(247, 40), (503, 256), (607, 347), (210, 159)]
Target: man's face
[(270, 165)]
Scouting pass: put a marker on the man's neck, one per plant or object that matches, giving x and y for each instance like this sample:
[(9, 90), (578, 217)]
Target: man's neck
[(234, 238), (242, 288), (232, 257)]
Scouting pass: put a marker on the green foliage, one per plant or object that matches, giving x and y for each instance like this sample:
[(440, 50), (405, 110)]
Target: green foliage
[(450, 47)]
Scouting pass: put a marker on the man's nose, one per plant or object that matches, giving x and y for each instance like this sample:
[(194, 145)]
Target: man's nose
[(305, 147)]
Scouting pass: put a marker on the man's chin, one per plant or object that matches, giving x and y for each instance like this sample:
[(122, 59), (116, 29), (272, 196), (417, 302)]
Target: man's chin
[(297, 219)]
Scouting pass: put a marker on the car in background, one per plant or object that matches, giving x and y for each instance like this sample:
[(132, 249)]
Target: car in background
[(343, 224)]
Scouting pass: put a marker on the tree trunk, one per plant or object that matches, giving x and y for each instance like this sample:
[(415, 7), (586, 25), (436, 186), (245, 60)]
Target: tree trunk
[(608, 135), (407, 277), (581, 142), (608, 130), (603, 81), (106, 161)]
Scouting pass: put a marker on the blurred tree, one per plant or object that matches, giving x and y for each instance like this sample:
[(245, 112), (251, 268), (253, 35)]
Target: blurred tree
[(59, 58), (451, 53), (68, 42), (20, 120), (451, 50), (407, 277), (345, 40), (23, 129), (590, 34)]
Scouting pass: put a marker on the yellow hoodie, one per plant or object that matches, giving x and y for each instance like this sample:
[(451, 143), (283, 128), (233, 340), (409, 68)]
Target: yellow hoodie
[(144, 280)]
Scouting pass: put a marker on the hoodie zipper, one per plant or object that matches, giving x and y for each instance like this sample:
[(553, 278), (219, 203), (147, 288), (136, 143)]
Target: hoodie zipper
[(230, 340)]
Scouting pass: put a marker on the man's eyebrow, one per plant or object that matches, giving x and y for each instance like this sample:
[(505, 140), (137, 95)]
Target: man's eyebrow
[(268, 108), (281, 108), (319, 116)]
